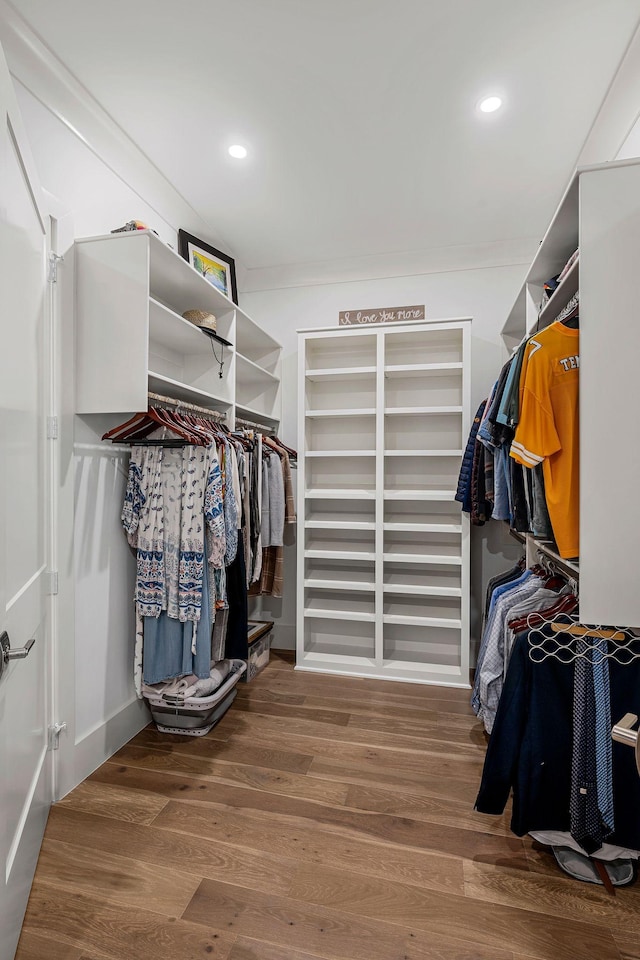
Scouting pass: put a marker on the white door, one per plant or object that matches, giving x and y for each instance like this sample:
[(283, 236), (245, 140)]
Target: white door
[(25, 541)]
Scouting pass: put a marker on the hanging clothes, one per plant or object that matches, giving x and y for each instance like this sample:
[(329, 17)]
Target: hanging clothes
[(192, 513), (532, 745), (171, 494), (548, 429), (527, 473)]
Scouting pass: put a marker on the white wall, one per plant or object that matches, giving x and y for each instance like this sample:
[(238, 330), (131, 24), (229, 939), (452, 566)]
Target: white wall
[(486, 295), (631, 146)]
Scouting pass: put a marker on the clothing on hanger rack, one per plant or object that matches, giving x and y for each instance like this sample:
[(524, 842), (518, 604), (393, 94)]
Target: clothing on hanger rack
[(521, 460), (193, 514), (551, 729), (509, 600)]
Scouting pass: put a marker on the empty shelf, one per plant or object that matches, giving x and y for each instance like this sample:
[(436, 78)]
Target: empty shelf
[(424, 558), (334, 494), (420, 495), (356, 586), (250, 413), (250, 373), (423, 453), (363, 412), (339, 525), (340, 615), (339, 373), (339, 454), (422, 591), (422, 621), (182, 391), (411, 369), (338, 555), (413, 411), (425, 527)]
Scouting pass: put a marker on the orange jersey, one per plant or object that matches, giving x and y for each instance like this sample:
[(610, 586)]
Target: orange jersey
[(547, 432)]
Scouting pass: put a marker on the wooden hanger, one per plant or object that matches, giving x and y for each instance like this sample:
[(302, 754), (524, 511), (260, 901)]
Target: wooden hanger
[(577, 630), (139, 426)]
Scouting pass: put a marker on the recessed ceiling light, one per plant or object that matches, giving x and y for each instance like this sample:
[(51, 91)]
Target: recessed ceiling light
[(237, 151), (490, 104)]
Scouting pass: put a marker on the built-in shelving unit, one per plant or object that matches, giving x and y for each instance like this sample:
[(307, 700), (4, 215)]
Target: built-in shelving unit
[(131, 292), (599, 214), (383, 546)]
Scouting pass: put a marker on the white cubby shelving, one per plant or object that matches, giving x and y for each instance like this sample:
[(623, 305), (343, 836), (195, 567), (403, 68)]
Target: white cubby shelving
[(599, 214), (383, 559), (131, 292)]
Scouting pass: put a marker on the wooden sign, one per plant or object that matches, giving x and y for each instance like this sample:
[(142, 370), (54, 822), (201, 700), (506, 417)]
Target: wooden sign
[(355, 318)]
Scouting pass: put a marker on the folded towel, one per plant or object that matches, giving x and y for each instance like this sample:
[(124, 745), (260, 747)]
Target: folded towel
[(207, 686), (220, 671), (178, 687)]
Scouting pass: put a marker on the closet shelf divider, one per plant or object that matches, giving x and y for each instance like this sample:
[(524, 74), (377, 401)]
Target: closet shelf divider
[(421, 411), (424, 527), (341, 494), (422, 591), (356, 412), (332, 454), (425, 559), (339, 373), (411, 369), (440, 495), (339, 615), (339, 525), (353, 586), (456, 454), (338, 555), (443, 622)]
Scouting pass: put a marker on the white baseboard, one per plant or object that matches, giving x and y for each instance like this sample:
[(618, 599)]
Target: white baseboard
[(105, 740)]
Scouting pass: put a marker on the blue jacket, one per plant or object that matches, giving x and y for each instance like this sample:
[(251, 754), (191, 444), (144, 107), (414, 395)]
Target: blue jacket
[(464, 480)]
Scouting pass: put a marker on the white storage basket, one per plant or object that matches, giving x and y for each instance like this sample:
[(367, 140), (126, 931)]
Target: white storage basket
[(193, 716)]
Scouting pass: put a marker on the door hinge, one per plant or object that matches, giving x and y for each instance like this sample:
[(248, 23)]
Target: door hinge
[(52, 428), (53, 583), (54, 735), (54, 259)]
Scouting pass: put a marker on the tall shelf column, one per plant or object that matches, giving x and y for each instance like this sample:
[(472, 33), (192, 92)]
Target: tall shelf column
[(383, 546)]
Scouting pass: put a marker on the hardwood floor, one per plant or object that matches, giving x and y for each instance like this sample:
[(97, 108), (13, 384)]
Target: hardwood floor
[(322, 818)]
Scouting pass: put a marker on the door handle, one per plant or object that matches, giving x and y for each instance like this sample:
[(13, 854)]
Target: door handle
[(623, 732), (7, 654)]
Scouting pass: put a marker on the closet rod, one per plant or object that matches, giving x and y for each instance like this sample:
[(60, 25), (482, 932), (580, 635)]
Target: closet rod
[(183, 404), (258, 427), (555, 562)]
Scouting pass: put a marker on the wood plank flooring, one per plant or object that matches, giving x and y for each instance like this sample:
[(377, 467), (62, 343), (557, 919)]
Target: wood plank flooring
[(324, 818)]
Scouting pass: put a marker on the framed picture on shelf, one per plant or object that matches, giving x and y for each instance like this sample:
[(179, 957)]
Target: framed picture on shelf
[(216, 267)]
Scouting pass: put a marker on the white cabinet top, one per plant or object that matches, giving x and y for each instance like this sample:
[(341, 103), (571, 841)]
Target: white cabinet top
[(172, 278)]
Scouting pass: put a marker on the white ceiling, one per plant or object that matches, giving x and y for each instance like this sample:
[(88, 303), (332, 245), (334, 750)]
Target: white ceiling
[(359, 114)]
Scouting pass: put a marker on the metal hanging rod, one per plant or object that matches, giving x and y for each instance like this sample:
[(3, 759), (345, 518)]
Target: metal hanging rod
[(258, 427), (184, 405), (547, 555)]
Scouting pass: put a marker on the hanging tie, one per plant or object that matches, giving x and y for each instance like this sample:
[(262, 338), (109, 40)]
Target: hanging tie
[(591, 806), (604, 743)]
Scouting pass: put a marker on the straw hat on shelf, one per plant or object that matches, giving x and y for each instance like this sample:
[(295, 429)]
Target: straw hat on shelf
[(201, 319)]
